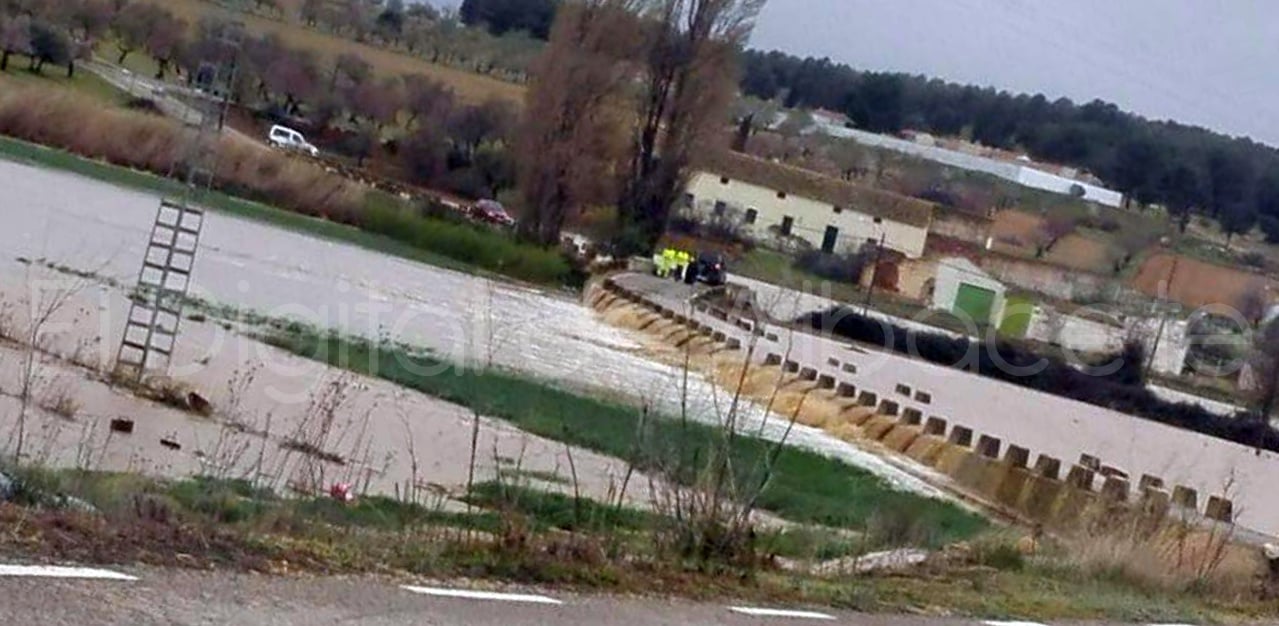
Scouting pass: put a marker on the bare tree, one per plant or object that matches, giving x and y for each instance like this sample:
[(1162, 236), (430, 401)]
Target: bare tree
[(687, 63), (1051, 231), (1130, 244), (570, 139), (426, 98), (15, 37)]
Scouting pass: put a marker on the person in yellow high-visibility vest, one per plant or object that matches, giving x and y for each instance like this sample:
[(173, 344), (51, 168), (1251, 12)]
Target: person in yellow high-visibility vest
[(668, 262), (685, 260)]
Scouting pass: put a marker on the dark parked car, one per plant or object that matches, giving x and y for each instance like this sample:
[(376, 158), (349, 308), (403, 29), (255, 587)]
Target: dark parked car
[(491, 212), (709, 268)]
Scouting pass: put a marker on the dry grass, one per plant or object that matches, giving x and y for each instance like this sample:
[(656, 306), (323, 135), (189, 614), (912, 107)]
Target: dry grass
[(471, 88), (56, 118)]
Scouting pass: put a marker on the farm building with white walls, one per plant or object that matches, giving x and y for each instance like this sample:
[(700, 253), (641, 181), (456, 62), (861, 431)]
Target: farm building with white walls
[(830, 214), (962, 288)]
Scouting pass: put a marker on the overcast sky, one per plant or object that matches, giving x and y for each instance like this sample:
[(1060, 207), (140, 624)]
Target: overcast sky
[(1213, 63), (1205, 62)]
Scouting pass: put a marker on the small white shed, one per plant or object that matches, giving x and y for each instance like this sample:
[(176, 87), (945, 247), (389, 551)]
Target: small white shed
[(969, 292)]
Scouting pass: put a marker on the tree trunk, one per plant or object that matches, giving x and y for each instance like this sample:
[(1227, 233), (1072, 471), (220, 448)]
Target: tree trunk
[(4, 61), (124, 54), (71, 69)]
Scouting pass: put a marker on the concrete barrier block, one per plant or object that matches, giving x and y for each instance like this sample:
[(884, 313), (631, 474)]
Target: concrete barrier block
[(925, 449), (1012, 485), (988, 446), (667, 314), (825, 381), (903, 390), (1017, 456), (846, 390), (878, 426), (868, 398), (849, 368), (1185, 497), (773, 359), (733, 343), (808, 374), (1070, 508), (935, 426), (1048, 467), (950, 457), (1155, 502), (1115, 489), (900, 438), (1110, 471), (832, 362), (1091, 462), (1080, 477), (912, 416), (923, 397), (858, 415), (790, 367), (888, 407), (719, 336), (1039, 496), (1150, 482), (961, 436), (1220, 509)]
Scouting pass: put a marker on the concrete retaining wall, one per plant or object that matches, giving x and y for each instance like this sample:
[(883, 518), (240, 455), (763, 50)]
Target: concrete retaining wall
[(983, 466)]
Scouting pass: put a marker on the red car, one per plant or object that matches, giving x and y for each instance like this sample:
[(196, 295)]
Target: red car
[(491, 212)]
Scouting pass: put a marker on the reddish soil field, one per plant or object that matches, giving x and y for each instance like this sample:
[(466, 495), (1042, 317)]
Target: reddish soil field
[(1196, 283)]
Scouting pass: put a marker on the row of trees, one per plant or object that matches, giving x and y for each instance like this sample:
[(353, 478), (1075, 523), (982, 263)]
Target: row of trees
[(623, 93), (52, 32), (1187, 169), (506, 50)]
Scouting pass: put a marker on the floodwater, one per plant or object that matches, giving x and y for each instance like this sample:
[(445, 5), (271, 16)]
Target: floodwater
[(86, 225)]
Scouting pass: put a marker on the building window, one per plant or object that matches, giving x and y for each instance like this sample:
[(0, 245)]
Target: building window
[(838, 209), (788, 224), (879, 220), (781, 195), (723, 180), (751, 215), (720, 208)]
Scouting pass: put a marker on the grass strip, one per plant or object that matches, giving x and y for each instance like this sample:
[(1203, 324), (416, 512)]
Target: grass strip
[(805, 486)]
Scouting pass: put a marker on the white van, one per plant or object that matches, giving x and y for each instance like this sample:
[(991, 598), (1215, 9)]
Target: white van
[(289, 139)]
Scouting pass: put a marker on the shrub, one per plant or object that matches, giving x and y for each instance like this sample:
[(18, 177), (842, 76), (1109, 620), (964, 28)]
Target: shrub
[(1119, 390), (846, 267)]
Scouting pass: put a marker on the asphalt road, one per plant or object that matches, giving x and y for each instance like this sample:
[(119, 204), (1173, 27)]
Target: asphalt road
[(160, 596)]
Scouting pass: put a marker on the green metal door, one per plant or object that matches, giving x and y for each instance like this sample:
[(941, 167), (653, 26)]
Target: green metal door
[(974, 302)]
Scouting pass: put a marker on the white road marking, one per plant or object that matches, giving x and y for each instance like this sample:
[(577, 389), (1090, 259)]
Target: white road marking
[(757, 612), (51, 571), (480, 595)]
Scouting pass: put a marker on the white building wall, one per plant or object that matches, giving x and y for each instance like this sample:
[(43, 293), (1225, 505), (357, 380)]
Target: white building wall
[(951, 273), (1039, 179), (1085, 335), (811, 216), (1013, 172)]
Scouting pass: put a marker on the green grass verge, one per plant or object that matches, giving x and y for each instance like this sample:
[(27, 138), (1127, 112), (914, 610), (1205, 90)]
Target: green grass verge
[(390, 228), (804, 487)]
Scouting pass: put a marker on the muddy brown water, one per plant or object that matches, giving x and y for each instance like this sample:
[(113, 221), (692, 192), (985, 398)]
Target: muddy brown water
[(91, 226)]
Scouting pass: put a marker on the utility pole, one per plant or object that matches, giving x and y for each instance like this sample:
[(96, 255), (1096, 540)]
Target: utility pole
[(874, 273)]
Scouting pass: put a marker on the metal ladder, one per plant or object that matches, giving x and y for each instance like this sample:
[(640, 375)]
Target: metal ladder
[(155, 312)]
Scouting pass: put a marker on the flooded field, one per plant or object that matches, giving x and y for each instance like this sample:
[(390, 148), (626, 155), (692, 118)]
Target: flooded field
[(89, 226)]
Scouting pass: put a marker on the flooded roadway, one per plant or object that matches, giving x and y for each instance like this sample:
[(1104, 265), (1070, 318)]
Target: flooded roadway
[(91, 226)]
